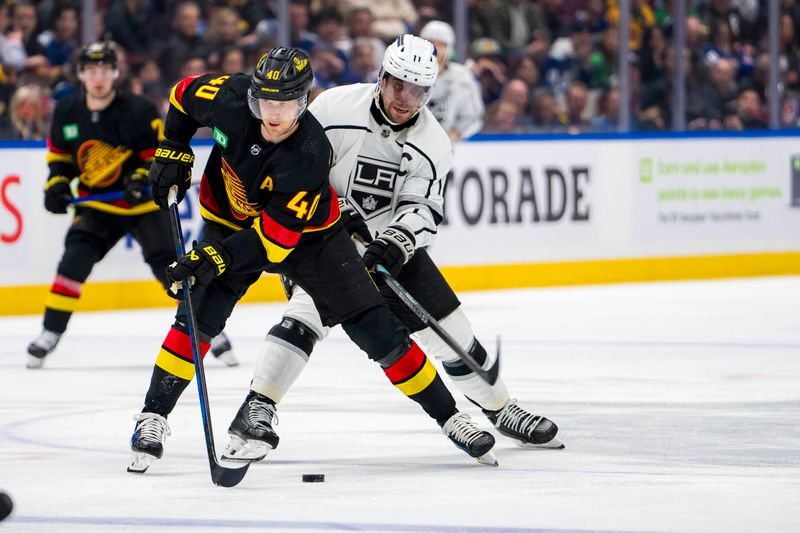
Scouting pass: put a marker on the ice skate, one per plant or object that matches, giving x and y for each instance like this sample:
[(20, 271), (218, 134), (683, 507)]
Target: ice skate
[(222, 350), (40, 347), (147, 442), (528, 430), (467, 437), (252, 436)]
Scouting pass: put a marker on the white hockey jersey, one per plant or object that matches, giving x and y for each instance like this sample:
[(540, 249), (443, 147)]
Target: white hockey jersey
[(456, 102), (390, 177)]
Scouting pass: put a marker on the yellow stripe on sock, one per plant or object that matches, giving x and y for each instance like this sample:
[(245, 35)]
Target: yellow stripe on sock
[(59, 302), (175, 365), (420, 381)]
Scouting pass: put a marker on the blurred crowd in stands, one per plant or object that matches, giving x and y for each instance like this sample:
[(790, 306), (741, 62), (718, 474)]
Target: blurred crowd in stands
[(536, 65)]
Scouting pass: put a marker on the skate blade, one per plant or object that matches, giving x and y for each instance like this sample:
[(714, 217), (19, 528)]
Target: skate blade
[(140, 462), (34, 362), (249, 451), (552, 444), (488, 459)]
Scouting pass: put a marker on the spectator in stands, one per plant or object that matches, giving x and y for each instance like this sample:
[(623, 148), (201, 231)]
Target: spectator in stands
[(749, 113), (62, 41), (392, 17), (575, 104), (517, 91), (30, 112), (23, 23), (232, 60), (330, 32), (184, 39), (544, 112), (363, 65), (528, 71), (707, 104), (12, 49), (488, 67), (790, 111), (642, 18), (359, 26), (503, 117), (299, 34), (134, 26), (514, 24), (608, 105), (456, 101), (568, 58), (248, 12), (653, 55), (223, 31), (603, 61), (193, 66), (329, 69)]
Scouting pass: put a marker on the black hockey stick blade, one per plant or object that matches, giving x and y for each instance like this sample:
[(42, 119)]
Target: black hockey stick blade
[(227, 477), (428, 320), (221, 475)]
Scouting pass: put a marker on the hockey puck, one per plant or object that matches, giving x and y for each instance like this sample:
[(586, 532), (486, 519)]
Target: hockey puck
[(6, 506), (313, 478)]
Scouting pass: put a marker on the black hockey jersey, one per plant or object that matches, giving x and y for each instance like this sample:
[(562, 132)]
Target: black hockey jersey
[(279, 193), (100, 148)]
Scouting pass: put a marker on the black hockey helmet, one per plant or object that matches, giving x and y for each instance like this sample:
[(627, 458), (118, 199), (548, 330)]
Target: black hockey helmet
[(98, 52), (282, 74)]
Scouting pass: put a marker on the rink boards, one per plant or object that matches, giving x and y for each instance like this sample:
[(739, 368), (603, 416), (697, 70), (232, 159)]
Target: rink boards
[(520, 212)]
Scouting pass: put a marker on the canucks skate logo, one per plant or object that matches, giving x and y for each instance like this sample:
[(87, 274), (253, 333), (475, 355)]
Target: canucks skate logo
[(237, 197), (101, 163), (372, 186)]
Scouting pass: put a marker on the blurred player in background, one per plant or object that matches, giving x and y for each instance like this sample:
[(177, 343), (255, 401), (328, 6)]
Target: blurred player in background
[(269, 206), (106, 139), (391, 159), (456, 100)]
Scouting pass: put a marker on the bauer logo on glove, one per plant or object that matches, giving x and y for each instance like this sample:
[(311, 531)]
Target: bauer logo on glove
[(200, 266)]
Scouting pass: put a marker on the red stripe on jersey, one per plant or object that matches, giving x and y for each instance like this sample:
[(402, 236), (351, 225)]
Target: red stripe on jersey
[(277, 233), (179, 343), (144, 155), (181, 87), (333, 213), (66, 286), (406, 366), (207, 197), (53, 148)]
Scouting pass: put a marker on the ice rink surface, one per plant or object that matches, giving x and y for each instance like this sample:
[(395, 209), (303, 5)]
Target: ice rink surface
[(679, 404)]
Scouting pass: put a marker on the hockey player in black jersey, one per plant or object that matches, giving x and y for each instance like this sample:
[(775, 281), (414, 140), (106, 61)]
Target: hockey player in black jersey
[(105, 140), (391, 159), (269, 206)]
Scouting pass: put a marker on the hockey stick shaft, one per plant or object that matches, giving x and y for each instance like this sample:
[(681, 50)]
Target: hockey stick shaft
[(220, 475), (103, 197), (428, 320)]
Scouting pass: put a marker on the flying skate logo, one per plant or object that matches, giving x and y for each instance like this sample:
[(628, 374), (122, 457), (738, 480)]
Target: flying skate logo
[(373, 181)]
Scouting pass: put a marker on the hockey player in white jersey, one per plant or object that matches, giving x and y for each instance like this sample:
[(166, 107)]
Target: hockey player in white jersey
[(391, 159), (456, 101)]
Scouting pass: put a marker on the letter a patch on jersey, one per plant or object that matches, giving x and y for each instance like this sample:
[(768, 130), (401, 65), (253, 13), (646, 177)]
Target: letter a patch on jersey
[(372, 184)]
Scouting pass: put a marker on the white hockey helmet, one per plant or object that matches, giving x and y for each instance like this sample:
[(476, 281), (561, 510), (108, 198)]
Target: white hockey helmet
[(436, 30), (412, 60)]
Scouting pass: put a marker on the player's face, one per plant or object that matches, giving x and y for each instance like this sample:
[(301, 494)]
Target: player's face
[(98, 79), (401, 99), (278, 117)]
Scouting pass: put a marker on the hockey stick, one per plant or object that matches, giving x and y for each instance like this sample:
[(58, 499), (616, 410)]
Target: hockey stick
[(220, 475), (103, 197), (489, 377)]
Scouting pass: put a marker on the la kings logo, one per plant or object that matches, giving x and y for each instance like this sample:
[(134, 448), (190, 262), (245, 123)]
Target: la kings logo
[(372, 185)]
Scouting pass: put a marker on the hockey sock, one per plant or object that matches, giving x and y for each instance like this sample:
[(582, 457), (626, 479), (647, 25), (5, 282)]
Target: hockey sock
[(60, 303), (173, 371), (283, 357), (488, 397), (416, 377)]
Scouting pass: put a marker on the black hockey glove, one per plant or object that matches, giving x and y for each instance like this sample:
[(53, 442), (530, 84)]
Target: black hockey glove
[(57, 194), (354, 222), (136, 189), (392, 248), (200, 266), (172, 166)]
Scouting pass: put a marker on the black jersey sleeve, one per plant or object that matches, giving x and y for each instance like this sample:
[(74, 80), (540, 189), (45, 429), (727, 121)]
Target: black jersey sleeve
[(59, 156), (191, 105)]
